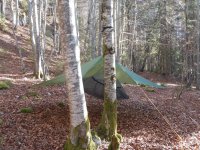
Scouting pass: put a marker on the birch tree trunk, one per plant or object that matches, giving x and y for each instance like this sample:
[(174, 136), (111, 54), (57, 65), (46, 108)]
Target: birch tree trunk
[(117, 28), (17, 12), (108, 125), (80, 134)]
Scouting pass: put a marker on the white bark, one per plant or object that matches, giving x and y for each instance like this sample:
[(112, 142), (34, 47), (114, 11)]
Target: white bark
[(117, 28), (43, 37), (76, 96), (109, 50), (17, 12)]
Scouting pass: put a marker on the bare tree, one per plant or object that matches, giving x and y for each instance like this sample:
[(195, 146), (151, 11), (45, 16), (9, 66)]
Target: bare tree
[(108, 125), (80, 134)]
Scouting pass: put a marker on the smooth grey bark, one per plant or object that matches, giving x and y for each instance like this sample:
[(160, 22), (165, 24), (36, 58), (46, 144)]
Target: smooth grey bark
[(43, 37), (80, 135), (36, 30), (56, 28), (17, 12), (92, 28), (3, 7), (37, 26), (99, 47), (123, 26), (117, 23), (32, 35)]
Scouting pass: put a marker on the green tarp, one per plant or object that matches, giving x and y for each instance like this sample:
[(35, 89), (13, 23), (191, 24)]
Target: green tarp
[(124, 75), (92, 73)]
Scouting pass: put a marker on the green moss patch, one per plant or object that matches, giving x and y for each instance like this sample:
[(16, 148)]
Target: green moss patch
[(26, 110), (81, 135), (107, 128), (164, 85), (61, 104), (1, 122), (148, 89), (142, 85), (108, 124), (59, 80), (32, 94), (1, 140), (115, 142), (4, 85)]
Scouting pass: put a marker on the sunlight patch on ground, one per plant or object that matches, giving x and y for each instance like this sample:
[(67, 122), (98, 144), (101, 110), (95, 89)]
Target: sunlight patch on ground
[(21, 80), (172, 85), (191, 141)]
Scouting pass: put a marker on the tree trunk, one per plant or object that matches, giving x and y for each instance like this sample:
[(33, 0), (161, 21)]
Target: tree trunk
[(108, 125), (198, 48), (100, 29), (190, 16), (117, 24), (14, 29), (36, 29), (31, 30), (3, 7), (43, 38), (164, 40), (80, 135), (92, 28), (17, 13)]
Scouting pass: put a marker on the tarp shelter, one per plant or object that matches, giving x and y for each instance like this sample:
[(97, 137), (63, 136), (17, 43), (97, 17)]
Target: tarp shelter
[(92, 73)]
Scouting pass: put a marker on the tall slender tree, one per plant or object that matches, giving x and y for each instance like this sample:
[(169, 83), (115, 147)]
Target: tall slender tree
[(3, 7), (198, 47), (164, 40), (108, 125), (80, 134), (37, 22)]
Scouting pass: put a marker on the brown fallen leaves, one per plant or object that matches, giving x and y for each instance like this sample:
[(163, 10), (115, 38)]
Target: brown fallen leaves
[(139, 122)]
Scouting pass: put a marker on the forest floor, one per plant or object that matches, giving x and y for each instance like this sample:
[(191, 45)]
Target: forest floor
[(147, 120)]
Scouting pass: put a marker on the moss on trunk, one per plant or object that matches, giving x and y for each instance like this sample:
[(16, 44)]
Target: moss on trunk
[(81, 138), (107, 128), (116, 139)]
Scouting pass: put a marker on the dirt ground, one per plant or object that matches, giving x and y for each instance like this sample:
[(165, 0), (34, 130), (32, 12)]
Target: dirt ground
[(147, 120)]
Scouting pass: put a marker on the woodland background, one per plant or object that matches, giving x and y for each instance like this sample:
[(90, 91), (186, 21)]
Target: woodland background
[(157, 39)]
